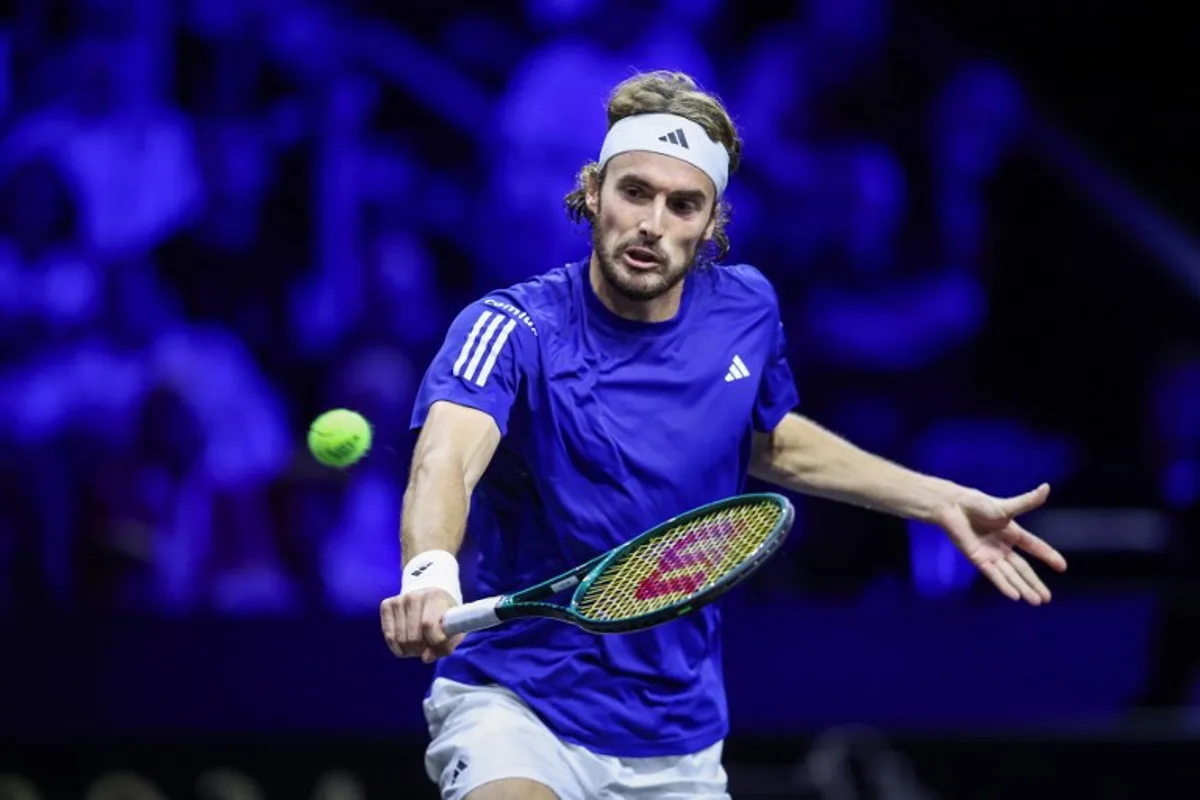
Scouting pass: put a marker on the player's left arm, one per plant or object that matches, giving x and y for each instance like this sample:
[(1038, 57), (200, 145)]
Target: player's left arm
[(801, 455), (796, 453)]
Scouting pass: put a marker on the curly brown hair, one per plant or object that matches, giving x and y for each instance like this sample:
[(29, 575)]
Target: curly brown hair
[(665, 92)]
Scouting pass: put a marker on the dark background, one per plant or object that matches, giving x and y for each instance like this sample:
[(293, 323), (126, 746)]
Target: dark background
[(219, 218)]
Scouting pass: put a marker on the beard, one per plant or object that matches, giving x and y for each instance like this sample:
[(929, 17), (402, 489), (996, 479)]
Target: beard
[(643, 284)]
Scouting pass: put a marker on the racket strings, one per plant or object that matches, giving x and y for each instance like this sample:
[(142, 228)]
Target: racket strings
[(685, 560)]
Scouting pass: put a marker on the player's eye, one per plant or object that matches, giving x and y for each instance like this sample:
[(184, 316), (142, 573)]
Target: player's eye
[(634, 192), (684, 207)]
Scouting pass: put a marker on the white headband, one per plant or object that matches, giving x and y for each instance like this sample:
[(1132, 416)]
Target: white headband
[(670, 135)]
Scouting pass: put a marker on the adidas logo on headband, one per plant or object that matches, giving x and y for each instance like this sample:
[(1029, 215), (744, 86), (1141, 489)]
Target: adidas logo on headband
[(675, 137)]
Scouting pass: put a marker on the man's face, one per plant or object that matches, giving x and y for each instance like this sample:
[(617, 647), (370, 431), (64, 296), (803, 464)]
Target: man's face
[(652, 214)]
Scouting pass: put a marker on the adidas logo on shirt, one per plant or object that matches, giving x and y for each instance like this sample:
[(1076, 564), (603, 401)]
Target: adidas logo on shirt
[(737, 370), (675, 137)]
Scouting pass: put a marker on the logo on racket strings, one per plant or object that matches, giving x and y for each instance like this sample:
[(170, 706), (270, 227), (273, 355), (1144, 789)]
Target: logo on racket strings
[(684, 566)]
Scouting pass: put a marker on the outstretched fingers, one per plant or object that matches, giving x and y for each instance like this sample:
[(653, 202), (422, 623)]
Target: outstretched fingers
[(993, 572), (1040, 591), (1036, 547)]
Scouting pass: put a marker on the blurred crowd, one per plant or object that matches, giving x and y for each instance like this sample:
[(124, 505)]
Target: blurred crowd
[(220, 217), (211, 784)]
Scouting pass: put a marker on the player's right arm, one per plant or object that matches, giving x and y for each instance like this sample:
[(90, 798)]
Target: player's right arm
[(453, 451), (462, 411)]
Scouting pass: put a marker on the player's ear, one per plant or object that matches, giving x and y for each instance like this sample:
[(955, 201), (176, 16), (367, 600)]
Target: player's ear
[(710, 229), (591, 192)]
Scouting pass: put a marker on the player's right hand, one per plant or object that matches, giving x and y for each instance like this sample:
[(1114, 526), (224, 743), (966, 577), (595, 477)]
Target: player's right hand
[(412, 624)]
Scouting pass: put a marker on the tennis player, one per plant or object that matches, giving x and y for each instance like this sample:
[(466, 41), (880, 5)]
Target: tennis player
[(573, 411)]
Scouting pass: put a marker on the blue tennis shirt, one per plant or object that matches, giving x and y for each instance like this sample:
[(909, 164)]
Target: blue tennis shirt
[(610, 427)]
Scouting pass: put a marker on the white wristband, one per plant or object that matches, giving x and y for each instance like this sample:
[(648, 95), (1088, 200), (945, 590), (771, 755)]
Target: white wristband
[(432, 569)]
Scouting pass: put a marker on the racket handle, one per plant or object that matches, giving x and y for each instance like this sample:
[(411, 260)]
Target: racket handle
[(472, 616)]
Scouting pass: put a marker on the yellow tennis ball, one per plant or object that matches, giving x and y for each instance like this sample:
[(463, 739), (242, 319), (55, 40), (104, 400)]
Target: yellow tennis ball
[(339, 438)]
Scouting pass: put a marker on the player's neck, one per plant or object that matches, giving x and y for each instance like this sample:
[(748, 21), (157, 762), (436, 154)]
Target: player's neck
[(660, 309)]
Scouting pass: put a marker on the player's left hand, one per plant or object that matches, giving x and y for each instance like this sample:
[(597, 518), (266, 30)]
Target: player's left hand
[(985, 529)]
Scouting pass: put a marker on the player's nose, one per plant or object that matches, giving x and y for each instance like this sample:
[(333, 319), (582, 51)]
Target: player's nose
[(651, 225)]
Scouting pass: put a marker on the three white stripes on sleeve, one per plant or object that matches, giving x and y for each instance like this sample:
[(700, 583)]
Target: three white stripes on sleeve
[(477, 345)]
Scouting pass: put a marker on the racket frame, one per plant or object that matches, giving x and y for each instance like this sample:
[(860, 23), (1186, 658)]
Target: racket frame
[(530, 602), (695, 601)]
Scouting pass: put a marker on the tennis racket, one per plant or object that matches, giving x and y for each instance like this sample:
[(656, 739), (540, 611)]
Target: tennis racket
[(668, 571)]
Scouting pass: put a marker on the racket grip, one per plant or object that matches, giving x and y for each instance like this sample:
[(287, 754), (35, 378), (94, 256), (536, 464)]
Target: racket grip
[(473, 616)]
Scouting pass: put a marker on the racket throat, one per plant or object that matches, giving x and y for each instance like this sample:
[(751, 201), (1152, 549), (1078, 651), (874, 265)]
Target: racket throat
[(569, 582)]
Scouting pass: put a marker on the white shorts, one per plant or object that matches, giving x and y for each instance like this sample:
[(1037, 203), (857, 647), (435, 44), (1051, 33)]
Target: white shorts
[(482, 734)]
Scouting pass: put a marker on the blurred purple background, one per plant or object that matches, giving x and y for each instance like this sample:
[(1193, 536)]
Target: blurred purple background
[(219, 218)]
